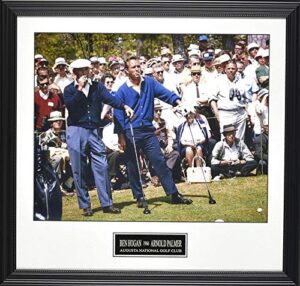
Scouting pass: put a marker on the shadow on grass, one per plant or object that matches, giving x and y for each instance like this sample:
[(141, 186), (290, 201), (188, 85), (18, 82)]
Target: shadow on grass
[(153, 203)]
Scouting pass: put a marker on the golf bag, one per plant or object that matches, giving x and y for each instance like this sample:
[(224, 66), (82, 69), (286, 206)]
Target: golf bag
[(47, 194)]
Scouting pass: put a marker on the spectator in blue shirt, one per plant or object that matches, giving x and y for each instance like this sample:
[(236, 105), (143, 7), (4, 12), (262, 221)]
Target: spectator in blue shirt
[(139, 92), (84, 100)]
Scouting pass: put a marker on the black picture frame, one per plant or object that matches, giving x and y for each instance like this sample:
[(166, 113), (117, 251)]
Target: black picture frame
[(11, 10)]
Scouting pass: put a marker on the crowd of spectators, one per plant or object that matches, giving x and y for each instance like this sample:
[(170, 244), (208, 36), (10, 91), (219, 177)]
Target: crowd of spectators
[(226, 99)]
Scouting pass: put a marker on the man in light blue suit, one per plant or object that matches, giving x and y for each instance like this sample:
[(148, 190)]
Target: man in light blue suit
[(84, 100)]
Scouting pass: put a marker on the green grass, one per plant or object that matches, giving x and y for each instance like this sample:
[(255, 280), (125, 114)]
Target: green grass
[(237, 201)]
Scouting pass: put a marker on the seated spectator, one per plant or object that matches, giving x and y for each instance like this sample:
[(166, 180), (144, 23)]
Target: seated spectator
[(115, 157), (164, 134), (193, 137), (55, 140), (231, 156), (261, 150)]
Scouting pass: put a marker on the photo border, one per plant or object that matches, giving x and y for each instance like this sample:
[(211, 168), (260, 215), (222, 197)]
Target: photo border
[(10, 10)]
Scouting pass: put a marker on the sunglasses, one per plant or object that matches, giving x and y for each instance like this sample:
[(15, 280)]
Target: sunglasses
[(157, 110), (61, 66), (44, 84), (196, 73), (159, 72), (109, 82), (196, 64)]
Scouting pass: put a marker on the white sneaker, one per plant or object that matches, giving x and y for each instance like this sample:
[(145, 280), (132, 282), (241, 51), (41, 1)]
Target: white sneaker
[(217, 178)]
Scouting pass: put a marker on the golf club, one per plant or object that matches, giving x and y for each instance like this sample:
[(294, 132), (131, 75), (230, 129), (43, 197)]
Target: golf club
[(211, 201), (146, 210)]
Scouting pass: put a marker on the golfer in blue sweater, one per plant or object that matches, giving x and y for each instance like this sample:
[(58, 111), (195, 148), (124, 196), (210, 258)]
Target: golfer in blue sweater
[(138, 93)]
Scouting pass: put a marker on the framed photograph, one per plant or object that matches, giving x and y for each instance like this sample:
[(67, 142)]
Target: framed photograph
[(261, 251)]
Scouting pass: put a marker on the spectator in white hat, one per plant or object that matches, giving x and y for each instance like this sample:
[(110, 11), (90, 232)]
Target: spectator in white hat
[(195, 93), (84, 100), (62, 78), (252, 50), (220, 62), (55, 139), (37, 59), (95, 72), (181, 74), (262, 71)]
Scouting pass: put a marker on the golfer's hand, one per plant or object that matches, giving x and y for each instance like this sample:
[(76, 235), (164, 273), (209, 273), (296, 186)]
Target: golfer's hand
[(129, 112), (82, 82), (121, 142), (169, 149)]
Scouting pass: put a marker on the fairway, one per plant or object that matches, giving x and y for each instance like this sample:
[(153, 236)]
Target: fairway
[(237, 201)]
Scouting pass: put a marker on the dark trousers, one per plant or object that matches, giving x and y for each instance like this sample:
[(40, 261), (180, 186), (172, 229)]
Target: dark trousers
[(146, 141), (229, 171)]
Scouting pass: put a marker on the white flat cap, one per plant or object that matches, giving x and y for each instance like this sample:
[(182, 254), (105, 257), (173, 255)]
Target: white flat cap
[(80, 63)]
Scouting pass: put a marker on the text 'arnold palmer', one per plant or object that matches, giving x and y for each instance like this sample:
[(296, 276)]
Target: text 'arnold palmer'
[(151, 243)]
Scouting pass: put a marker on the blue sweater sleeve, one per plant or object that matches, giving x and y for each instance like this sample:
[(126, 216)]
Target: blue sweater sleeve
[(119, 116), (109, 99)]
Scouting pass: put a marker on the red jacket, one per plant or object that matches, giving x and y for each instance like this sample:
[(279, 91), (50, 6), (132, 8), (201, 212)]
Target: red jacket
[(43, 108)]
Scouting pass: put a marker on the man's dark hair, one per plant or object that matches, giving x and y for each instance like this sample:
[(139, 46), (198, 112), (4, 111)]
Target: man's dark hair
[(231, 62), (105, 76)]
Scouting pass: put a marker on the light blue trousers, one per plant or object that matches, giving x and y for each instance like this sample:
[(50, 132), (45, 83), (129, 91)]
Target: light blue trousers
[(84, 144)]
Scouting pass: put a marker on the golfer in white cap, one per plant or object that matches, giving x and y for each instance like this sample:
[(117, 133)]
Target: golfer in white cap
[(84, 100)]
